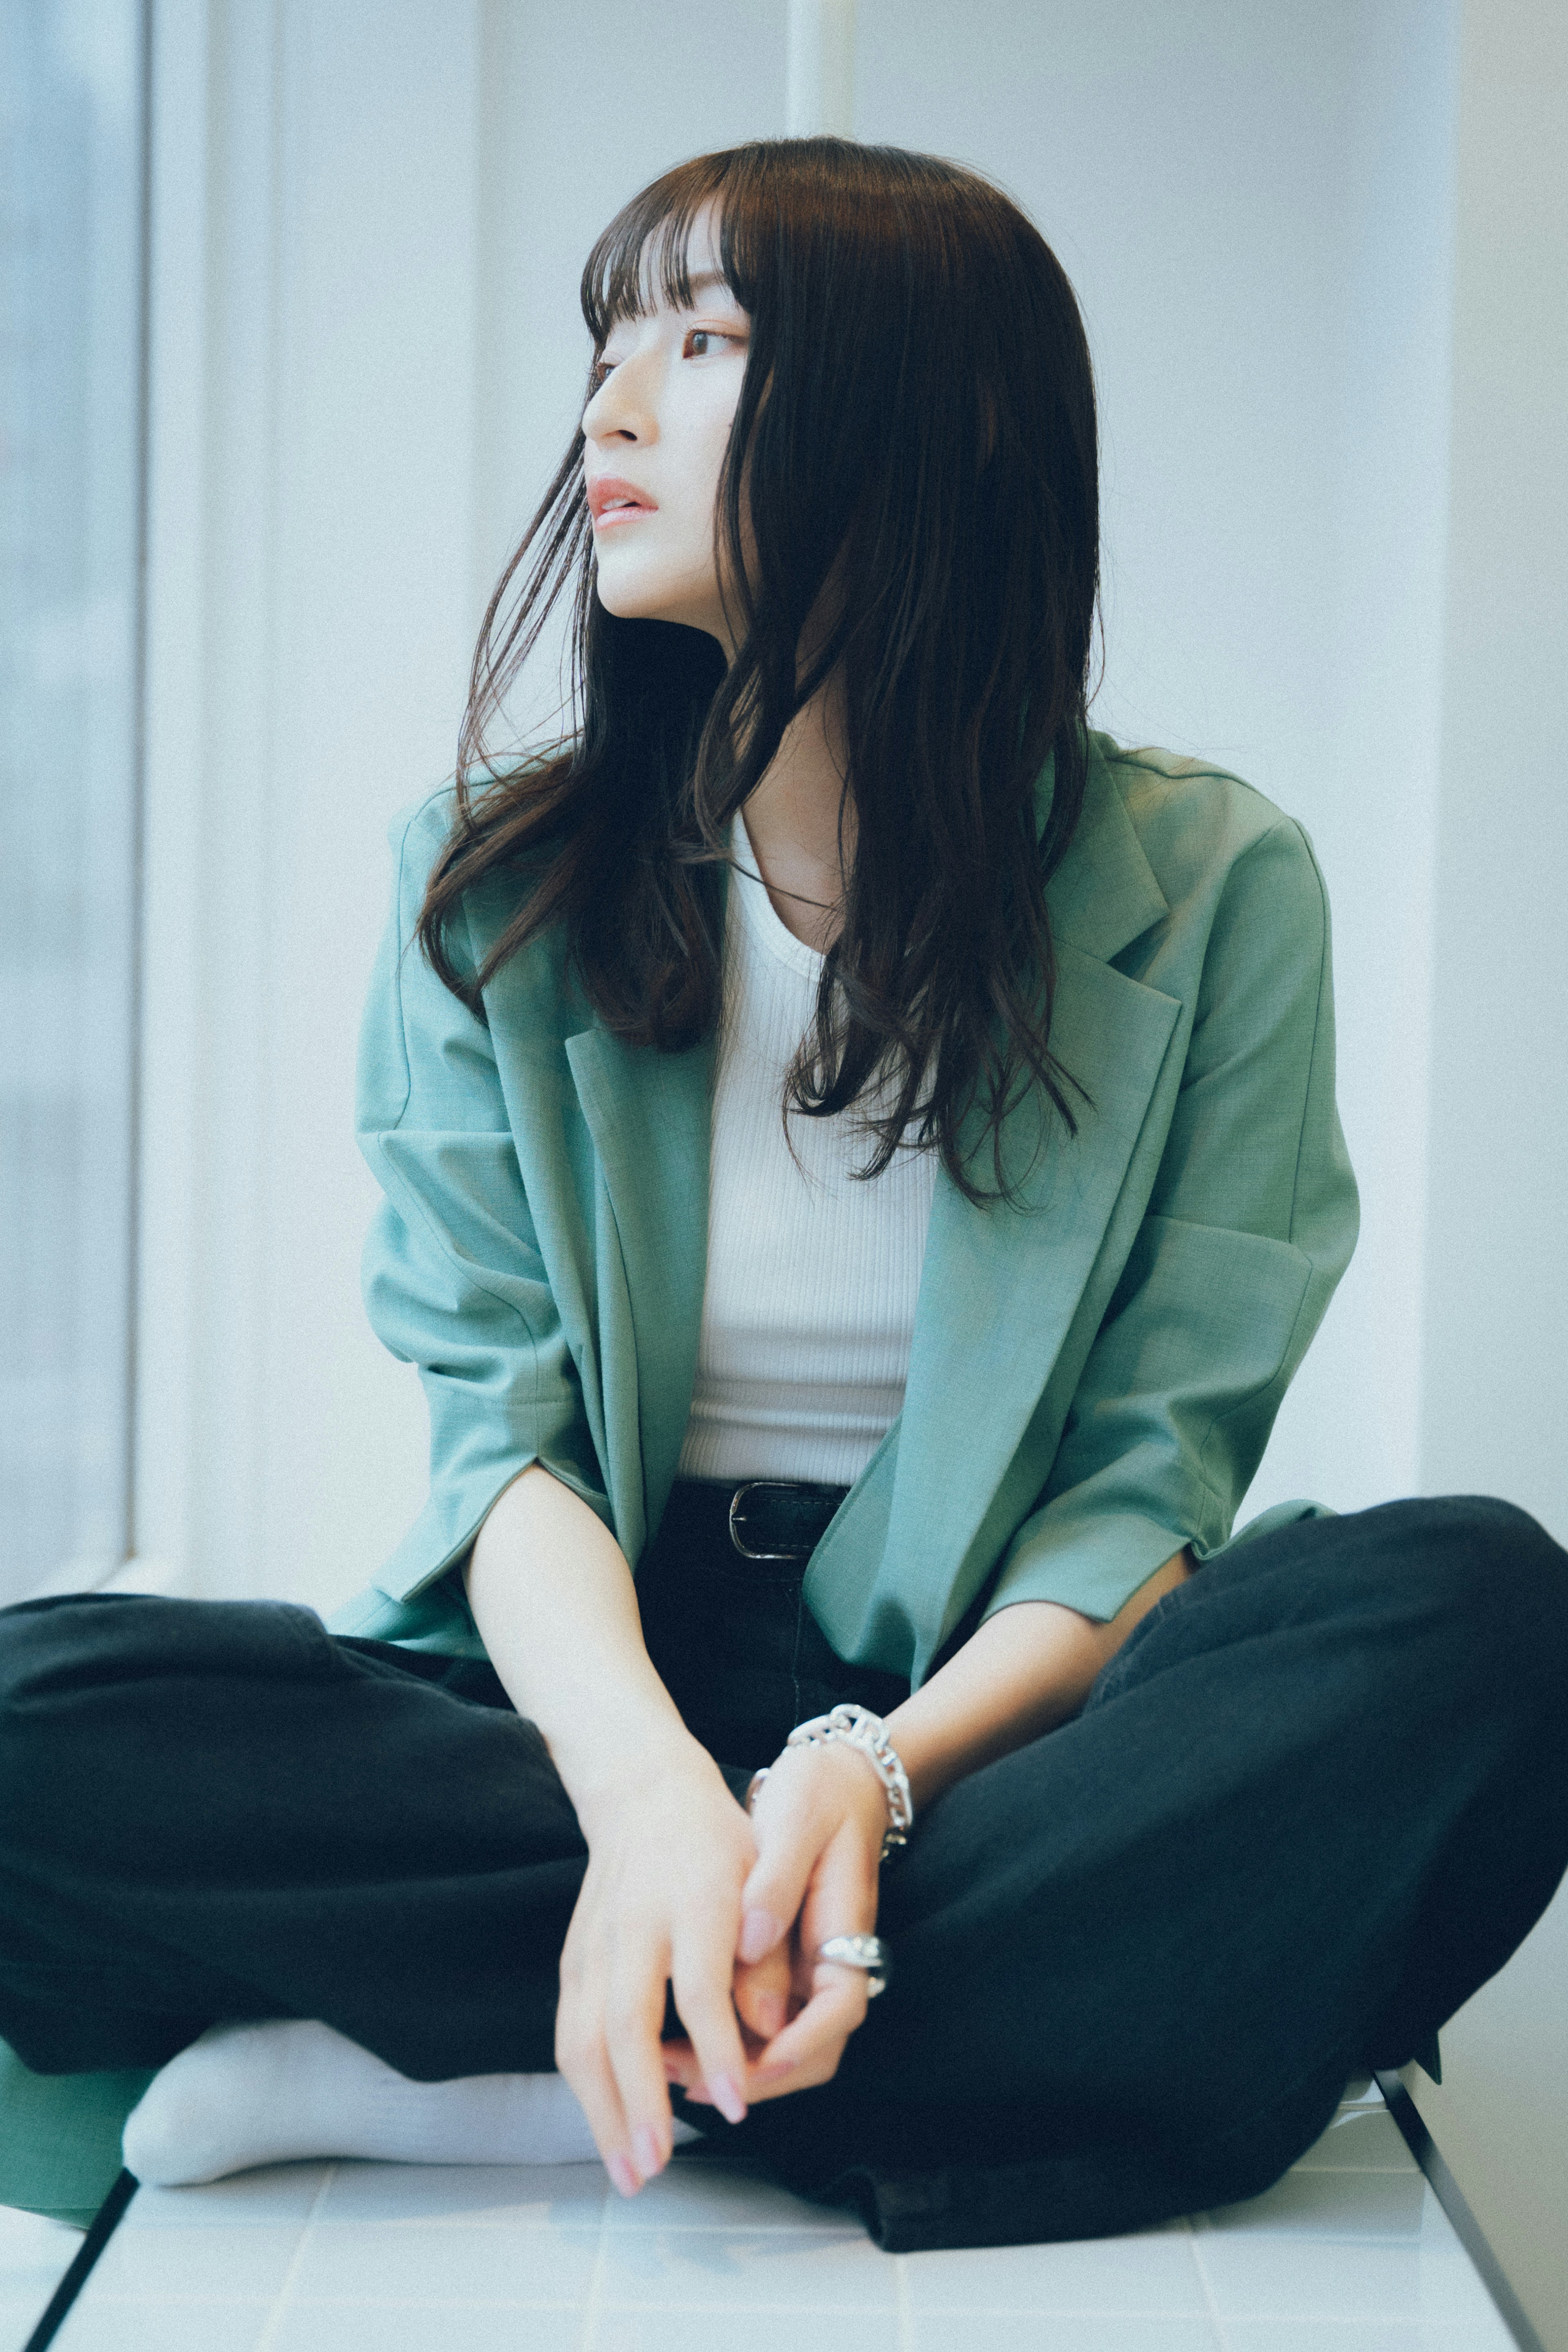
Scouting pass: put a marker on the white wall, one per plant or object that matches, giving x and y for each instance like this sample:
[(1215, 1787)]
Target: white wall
[(553, 180), (1494, 1389), (1254, 206), (1497, 1264), (368, 357)]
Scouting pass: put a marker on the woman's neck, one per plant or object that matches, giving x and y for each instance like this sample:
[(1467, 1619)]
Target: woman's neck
[(792, 821)]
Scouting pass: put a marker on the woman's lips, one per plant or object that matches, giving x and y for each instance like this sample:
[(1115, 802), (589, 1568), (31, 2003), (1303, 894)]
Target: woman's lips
[(612, 501)]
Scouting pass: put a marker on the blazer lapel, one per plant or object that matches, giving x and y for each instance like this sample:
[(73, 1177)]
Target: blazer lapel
[(1001, 1284), (650, 1116)]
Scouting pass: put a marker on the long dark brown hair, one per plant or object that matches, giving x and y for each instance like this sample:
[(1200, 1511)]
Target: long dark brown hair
[(917, 418)]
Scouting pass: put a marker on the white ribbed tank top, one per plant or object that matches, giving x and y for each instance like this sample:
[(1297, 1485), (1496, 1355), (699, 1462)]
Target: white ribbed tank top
[(809, 1301)]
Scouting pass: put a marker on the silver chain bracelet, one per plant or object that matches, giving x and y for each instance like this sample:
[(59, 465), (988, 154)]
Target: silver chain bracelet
[(859, 1727)]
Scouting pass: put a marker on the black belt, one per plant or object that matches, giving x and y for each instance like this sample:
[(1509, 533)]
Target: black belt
[(781, 1518)]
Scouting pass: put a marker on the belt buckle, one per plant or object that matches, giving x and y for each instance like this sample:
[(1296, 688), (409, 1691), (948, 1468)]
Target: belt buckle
[(784, 1485)]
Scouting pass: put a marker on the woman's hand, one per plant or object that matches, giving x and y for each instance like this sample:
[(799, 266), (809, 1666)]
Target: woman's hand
[(819, 1821), (668, 1856)]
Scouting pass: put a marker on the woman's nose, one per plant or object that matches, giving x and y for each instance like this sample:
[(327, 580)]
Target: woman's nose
[(618, 410)]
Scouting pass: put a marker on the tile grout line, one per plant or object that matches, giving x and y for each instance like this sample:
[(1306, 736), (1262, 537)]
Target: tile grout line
[(902, 2304), (1408, 2329), (279, 2312), (1221, 2332), (591, 2309), (526, 2309), (589, 2328)]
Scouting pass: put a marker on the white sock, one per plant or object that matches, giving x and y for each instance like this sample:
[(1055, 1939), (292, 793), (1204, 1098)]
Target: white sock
[(246, 2094)]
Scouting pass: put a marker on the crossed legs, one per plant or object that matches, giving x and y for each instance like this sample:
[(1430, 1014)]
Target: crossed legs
[(1316, 1801)]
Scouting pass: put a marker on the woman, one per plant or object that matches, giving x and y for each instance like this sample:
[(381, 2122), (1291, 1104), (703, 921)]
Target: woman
[(861, 1170)]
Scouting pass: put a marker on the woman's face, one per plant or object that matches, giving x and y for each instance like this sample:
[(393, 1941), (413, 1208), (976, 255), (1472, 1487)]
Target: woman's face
[(656, 431)]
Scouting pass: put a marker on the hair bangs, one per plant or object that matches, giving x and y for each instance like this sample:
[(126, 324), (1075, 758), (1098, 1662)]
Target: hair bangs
[(645, 251)]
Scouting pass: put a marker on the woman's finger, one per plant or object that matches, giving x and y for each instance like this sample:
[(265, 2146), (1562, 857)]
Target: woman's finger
[(810, 2048), (634, 2013), (765, 2000), (701, 1983), (582, 2057), (793, 1817), (762, 1992), (841, 1899), (680, 2060)]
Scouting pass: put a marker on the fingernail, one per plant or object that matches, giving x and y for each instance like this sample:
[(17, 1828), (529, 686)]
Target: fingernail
[(620, 2172), (647, 2150), (773, 2010), (726, 2098), (759, 1931)]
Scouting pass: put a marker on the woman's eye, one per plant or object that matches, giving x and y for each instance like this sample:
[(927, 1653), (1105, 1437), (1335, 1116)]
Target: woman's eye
[(705, 336), (700, 343)]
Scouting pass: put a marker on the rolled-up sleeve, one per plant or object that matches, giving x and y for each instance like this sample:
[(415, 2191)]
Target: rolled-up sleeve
[(1251, 1223), (454, 1282)]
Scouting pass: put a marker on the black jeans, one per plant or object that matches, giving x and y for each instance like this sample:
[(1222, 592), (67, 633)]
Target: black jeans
[(1318, 1798)]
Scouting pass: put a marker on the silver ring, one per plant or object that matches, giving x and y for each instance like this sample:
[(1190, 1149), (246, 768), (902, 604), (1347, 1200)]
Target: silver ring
[(867, 1952)]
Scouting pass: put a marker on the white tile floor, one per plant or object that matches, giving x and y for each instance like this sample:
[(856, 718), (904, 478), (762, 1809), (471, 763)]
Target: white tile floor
[(1350, 2253)]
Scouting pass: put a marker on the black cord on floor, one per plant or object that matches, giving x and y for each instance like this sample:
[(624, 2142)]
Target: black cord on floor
[(101, 2228)]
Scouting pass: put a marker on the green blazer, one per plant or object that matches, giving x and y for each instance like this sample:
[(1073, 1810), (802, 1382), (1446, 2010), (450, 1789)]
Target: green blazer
[(1093, 1373)]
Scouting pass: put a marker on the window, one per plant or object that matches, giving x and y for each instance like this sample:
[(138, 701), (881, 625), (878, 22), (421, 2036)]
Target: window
[(73, 151)]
